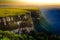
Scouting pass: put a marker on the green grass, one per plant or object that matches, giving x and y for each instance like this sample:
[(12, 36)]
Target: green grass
[(14, 11), (11, 11)]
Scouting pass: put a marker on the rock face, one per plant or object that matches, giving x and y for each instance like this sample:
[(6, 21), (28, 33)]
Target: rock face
[(15, 22), (52, 16)]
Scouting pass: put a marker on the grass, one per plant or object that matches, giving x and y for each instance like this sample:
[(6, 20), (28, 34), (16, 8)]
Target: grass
[(14, 11), (11, 11)]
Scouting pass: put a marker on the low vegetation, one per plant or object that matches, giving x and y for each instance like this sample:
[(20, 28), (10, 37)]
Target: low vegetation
[(7, 35)]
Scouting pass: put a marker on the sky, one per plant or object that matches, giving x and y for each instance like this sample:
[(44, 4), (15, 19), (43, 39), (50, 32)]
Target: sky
[(31, 2)]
